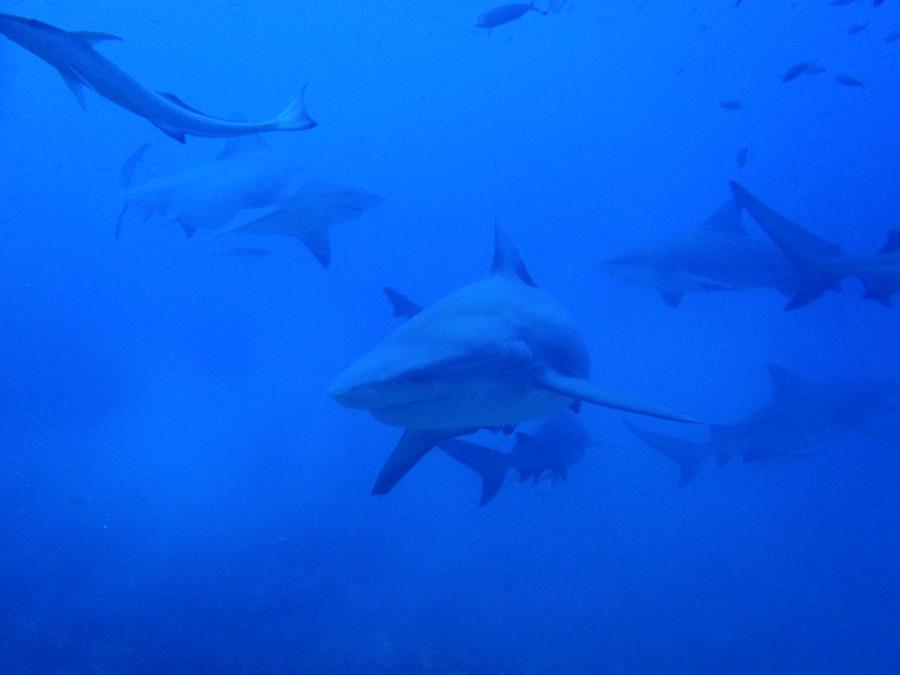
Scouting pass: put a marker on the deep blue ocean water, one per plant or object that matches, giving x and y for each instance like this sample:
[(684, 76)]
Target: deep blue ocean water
[(178, 493)]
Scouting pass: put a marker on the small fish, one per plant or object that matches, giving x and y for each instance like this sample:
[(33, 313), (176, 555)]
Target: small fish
[(731, 105), (847, 81), (740, 159), (802, 68), (892, 37), (856, 28), (505, 13)]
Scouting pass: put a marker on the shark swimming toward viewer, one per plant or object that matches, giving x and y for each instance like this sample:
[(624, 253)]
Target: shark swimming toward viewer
[(80, 65), (820, 265), (490, 355), (717, 255), (248, 189), (799, 415)]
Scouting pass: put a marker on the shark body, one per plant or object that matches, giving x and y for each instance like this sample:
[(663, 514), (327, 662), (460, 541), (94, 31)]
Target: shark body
[(718, 255), (820, 265), (492, 354), (81, 66), (249, 189), (800, 415)]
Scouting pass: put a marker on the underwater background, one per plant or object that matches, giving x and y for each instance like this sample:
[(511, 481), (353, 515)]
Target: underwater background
[(178, 493)]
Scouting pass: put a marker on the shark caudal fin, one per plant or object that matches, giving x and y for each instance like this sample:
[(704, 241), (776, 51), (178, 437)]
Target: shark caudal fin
[(582, 390), (294, 116), (126, 180), (688, 455), (812, 256), (486, 462)]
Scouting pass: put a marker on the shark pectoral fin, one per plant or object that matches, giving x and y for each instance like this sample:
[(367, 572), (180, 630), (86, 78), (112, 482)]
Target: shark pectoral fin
[(809, 291), (582, 390), (671, 298), (412, 447), (94, 38), (318, 242), (402, 305), (176, 134), (75, 85), (486, 462)]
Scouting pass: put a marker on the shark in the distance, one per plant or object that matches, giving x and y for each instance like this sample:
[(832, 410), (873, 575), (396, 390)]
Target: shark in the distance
[(73, 55), (492, 354), (717, 255), (559, 442), (248, 189), (821, 266), (800, 415)]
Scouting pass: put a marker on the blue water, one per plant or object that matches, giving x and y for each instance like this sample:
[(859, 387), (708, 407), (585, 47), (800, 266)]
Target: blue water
[(178, 493)]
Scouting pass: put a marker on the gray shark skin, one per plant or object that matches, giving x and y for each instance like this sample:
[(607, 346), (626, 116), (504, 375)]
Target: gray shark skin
[(248, 189), (80, 65), (800, 415), (718, 255), (492, 354), (821, 266), (559, 443)]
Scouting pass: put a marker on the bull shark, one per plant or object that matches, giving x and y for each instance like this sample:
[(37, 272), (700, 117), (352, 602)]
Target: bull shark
[(717, 255), (820, 265), (800, 414), (560, 442), (492, 354), (248, 189), (80, 65)]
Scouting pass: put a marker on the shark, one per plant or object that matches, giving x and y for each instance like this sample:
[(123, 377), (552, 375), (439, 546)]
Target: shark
[(800, 414), (821, 265), (559, 442), (492, 354), (81, 66), (717, 255), (248, 189)]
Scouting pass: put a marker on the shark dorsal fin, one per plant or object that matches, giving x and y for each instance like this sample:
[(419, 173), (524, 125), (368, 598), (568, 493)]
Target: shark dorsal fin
[(507, 261), (240, 144), (893, 242), (786, 382), (727, 218)]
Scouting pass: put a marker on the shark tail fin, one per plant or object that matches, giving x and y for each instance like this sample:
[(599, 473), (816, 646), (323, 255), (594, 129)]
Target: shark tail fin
[(810, 255), (486, 462), (294, 117), (126, 180), (688, 455)]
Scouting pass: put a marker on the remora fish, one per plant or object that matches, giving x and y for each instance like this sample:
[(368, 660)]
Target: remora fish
[(560, 442), (492, 354), (821, 265), (505, 13), (799, 415), (80, 65), (248, 189), (718, 255)]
